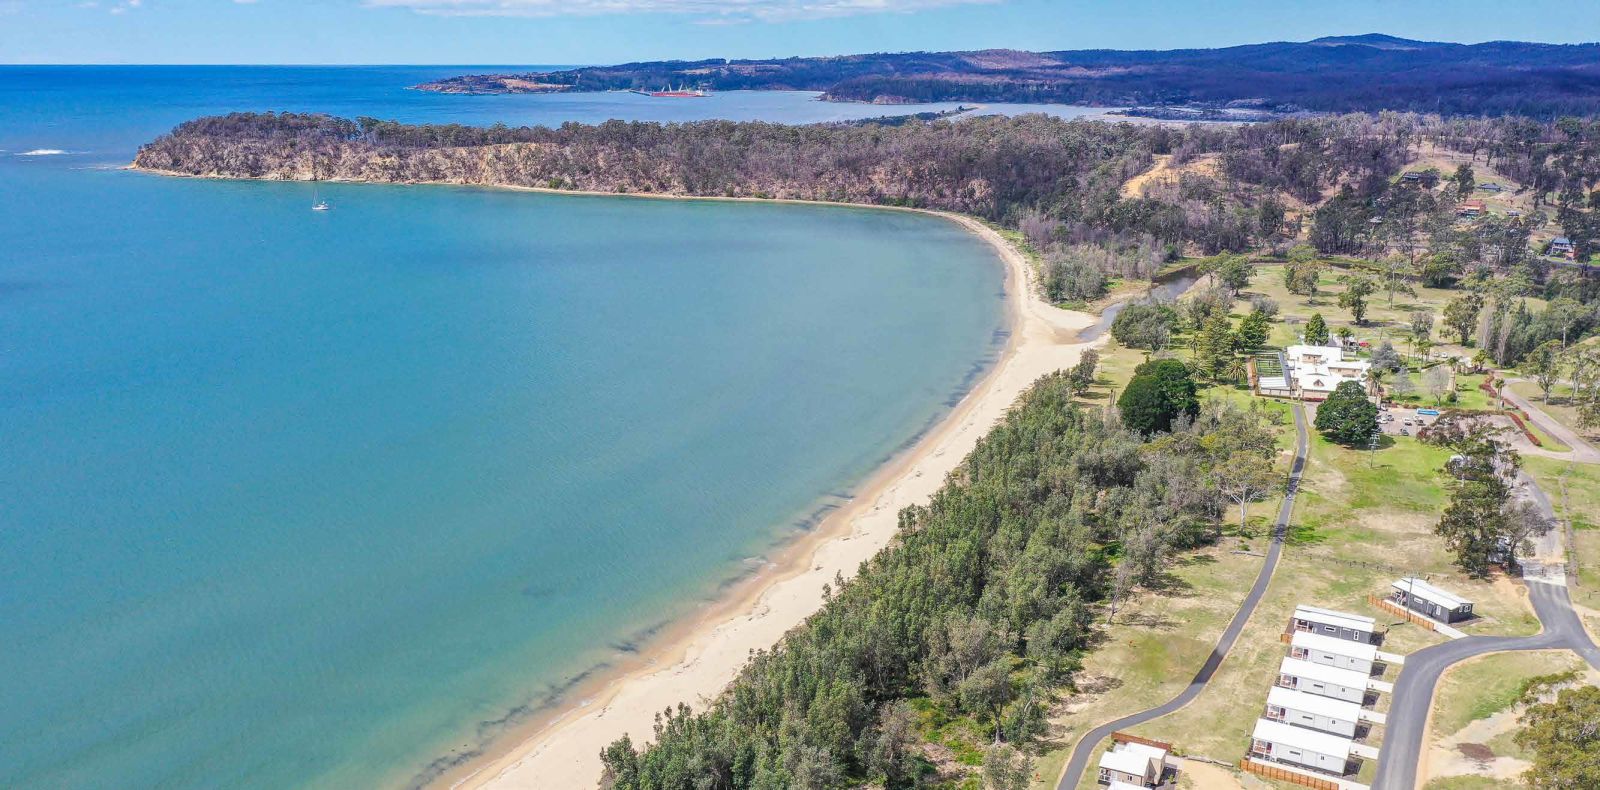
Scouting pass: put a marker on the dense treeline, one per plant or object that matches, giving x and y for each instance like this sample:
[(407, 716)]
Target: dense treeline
[(1328, 181), (978, 609), (1356, 73), (990, 167)]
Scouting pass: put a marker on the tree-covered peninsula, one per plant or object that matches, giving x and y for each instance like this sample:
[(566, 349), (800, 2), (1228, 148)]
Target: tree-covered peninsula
[(1096, 202)]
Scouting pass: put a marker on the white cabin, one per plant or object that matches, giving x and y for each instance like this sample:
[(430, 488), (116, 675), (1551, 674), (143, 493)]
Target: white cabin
[(1324, 714), (1333, 651), (1346, 684), (1283, 743), (1137, 764)]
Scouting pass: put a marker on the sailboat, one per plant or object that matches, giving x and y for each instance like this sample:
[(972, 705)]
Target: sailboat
[(317, 205)]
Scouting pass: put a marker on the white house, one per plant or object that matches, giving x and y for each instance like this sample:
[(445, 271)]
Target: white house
[(1316, 620), (1283, 743), (1429, 601), (1315, 371), (1324, 714), (1346, 684), (1137, 764), (1333, 651)]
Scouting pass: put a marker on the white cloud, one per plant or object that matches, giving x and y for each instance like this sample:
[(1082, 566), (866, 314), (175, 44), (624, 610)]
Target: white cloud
[(707, 10)]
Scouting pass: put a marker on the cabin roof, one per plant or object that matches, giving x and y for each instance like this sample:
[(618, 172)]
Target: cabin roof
[(1310, 670), (1314, 703), (1335, 645), (1132, 758), (1302, 738), (1422, 589), (1332, 617)]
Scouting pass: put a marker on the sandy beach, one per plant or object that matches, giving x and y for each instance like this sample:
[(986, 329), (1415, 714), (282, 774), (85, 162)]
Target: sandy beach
[(696, 665)]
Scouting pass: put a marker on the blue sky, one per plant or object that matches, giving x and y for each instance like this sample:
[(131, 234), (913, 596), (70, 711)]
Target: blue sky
[(609, 31)]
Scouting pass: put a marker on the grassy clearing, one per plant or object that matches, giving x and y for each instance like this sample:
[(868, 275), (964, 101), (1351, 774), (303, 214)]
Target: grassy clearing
[(1361, 521), (1574, 491), (1465, 783), (1155, 646), (1469, 395), (1484, 686), (1559, 407), (1384, 321)]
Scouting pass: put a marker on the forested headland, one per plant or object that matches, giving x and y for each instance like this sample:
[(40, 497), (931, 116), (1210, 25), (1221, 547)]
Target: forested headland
[(1330, 182)]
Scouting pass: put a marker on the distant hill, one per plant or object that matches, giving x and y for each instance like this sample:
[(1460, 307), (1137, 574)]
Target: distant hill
[(1334, 74)]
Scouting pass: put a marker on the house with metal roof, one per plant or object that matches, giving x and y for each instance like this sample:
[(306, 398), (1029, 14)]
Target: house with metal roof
[(1324, 714), (1137, 764), (1333, 651), (1430, 601), (1327, 622), (1346, 684), (1283, 743)]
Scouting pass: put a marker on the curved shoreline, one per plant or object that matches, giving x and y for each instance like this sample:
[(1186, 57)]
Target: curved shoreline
[(693, 659), (696, 662)]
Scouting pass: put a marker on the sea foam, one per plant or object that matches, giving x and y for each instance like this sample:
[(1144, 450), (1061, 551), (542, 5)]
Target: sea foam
[(43, 152)]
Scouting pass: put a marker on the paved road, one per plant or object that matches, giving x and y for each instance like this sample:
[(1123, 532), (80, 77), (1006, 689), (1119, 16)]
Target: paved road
[(1073, 774), (1413, 691), (1582, 450)]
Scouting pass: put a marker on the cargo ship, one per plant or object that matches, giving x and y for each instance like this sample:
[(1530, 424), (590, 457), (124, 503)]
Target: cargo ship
[(673, 93)]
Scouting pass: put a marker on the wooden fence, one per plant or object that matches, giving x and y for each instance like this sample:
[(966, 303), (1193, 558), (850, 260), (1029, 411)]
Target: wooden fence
[(1400, 611), (1270, 771), (1123, 737)]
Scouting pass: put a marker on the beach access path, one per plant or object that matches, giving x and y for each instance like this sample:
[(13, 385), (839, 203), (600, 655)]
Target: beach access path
[(1072, 775), (696, 667)]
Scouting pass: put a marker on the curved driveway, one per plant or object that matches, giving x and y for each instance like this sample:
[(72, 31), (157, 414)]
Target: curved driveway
[(1073, 774), (1413, 691), (1582, 450)]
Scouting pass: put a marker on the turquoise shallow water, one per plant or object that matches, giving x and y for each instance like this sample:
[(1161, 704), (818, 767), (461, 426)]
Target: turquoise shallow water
[(297, 499)]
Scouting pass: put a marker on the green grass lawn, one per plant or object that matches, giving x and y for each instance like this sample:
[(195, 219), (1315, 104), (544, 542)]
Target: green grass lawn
[(1559, 408), (1469, 395), (1465, 783), (1574, 491), (1383, 320), (1362, 520), (1482, 687), (1360, 523)]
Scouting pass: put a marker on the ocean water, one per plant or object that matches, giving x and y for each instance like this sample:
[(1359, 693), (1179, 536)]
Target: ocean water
[(296, 499)]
